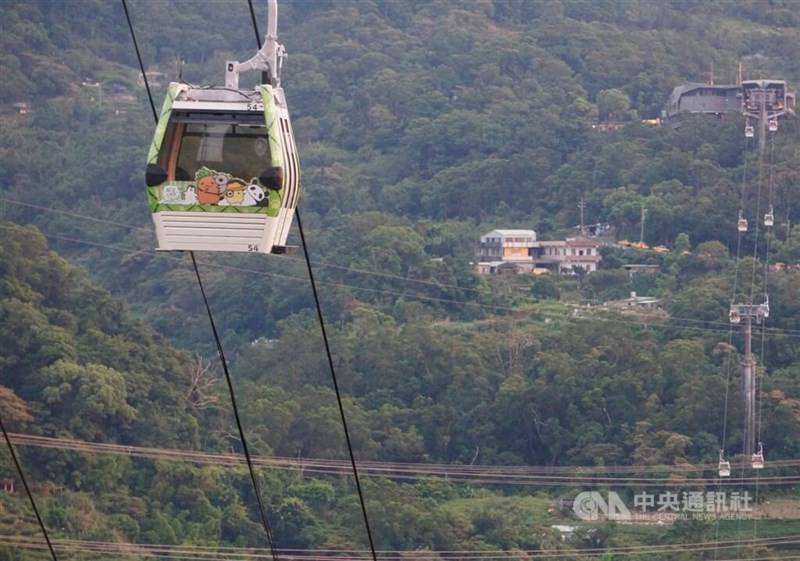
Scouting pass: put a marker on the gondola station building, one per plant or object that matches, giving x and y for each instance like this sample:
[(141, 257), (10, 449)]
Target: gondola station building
[(518, 251)]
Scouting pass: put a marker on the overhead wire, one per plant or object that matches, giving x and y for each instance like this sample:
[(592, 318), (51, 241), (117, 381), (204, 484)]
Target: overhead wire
[(759, 183), (326, 343), (21, 473), (240, 428), (232, 553), (627, 476)]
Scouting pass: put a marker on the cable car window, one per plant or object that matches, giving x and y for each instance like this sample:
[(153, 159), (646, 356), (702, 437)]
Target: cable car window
[(236, 141), (238, 150)]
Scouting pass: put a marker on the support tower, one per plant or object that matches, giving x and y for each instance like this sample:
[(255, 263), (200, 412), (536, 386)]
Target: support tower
[(748, 313)]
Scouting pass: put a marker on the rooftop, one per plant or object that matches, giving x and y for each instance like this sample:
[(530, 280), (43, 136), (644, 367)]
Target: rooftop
[(513, 232)]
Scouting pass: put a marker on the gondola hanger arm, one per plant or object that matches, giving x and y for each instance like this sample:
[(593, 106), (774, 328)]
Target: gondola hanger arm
[(268, 59)]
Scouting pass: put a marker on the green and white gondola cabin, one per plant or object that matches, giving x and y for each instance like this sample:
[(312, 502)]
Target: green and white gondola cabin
[(222, 171)]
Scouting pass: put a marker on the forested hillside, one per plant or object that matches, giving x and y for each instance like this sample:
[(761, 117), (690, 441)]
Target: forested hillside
[(421, 125)]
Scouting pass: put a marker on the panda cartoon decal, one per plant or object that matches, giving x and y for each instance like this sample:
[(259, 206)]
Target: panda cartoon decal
[(254, 195)]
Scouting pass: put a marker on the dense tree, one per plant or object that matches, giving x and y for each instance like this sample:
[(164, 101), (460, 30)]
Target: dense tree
[(420, 125)]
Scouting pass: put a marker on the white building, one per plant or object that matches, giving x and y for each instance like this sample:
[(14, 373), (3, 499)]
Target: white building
[(519, 251)]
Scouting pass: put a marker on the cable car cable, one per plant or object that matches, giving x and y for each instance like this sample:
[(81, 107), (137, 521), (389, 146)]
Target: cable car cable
[(331, 366), (27, 490), (220, 352), (758, 223), (729, 357), (760, 184), (335, 385), (245, 449), (765, 287), (139, 58)]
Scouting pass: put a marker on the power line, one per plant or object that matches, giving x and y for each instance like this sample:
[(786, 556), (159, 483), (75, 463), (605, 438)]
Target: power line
[(674, 475), (321, 320), (240, 553), (21, 473)]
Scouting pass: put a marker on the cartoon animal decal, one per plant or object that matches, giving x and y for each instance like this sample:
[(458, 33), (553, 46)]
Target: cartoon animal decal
[(254, 195), (210, 185), (216, 188), (222, 180), (190, 195), (170, 194), (234, 193)]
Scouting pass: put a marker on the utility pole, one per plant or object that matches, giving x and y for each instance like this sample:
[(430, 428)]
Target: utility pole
[(582, 206), (762, 127), (641, 231), (748, 313), (748, 379)]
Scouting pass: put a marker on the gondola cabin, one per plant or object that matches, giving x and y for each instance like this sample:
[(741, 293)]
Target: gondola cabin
[(222, 171)]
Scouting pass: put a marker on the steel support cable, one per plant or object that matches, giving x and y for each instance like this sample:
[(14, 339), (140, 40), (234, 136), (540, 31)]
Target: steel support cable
[(335, 384), (729, 356), (760, 182), (326, 343), (169, 554), (220, 352), (765, 287), (546, 315), (24, 480), (739, 236), (324, 264), (250, 467), (141, 64), (771, 190)]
